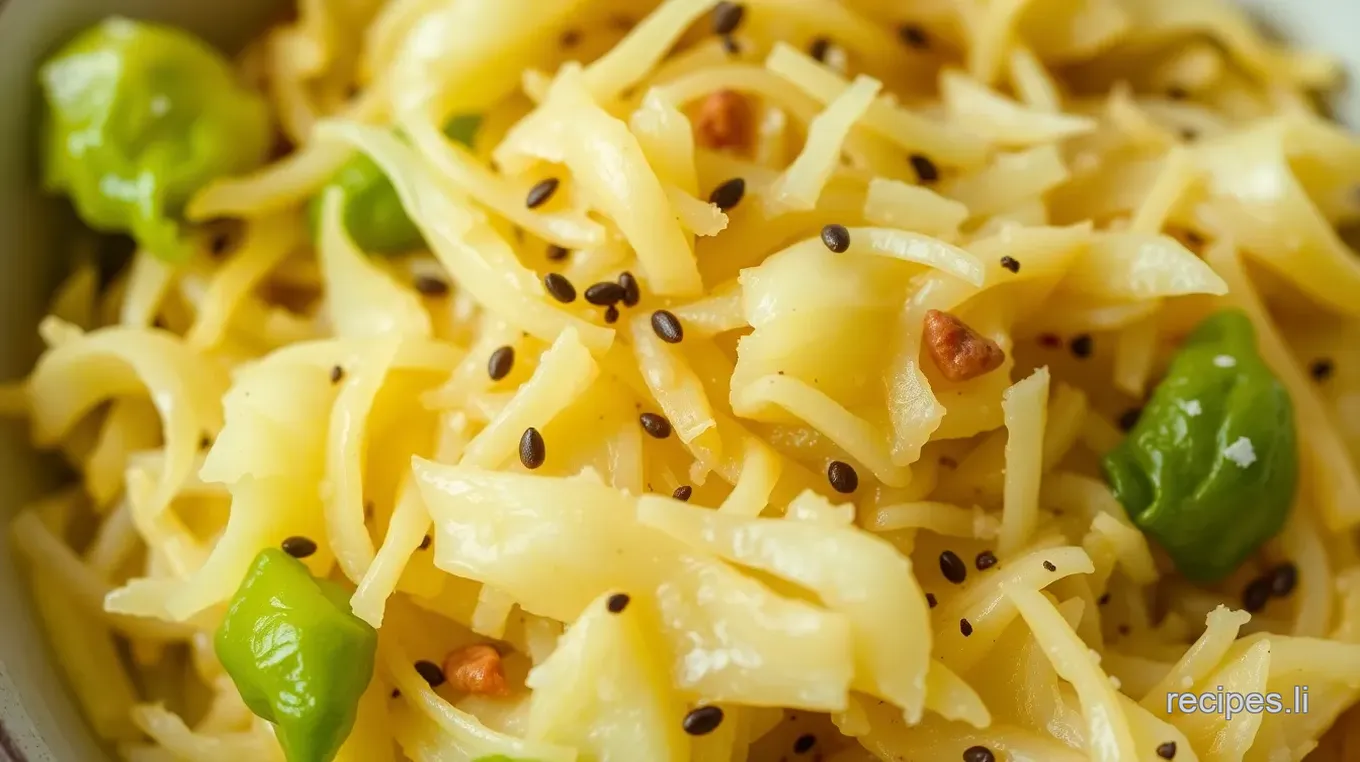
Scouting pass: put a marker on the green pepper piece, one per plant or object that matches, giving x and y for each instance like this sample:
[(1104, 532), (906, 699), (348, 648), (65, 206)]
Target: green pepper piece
[(1210, 468), (299, 657), (373, 212), (139, 117), (501, 758)]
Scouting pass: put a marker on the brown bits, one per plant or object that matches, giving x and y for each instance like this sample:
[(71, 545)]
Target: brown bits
[(1050, 340), (604, 294), (727, 17), (532, 451), (819, 48), (542, 191), (1103, 599), (425, 542), (836, 238), (1011, 263), (298, 547), (655, 425), (958, 351), (559, 288), (985, 560), (1321, 370), (804, 743), (952, 567), (842, 477), (337, 374), (1167, 750), (476, 669), (500, 363), (570, 38), (965, 627), (1177, 93), (611, 314), (431, 286), (631, 293), (926, 171), (667, 327), (931, 600), (617, 603), (431, 672), (1049, 566), (702, 721), (728, 195), (557, 253), (724, 121), (683, 493), (1256, 594)]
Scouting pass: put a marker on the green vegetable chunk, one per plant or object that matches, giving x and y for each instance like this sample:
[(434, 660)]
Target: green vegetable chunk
[(139, 117), (373, 212), (1210, 468), (298, 656)]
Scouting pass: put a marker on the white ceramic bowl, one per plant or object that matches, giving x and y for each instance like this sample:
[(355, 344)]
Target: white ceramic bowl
[(39, 721)]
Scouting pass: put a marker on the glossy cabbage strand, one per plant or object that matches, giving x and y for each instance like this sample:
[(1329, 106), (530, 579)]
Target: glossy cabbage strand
[(139, 117), (1210, 469), (299, 658), (373, 214)]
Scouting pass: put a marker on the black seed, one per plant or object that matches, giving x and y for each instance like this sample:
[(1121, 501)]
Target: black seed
[(557, 253), (611, 314), (1049, 566), (702, 721), (425, 542), (1256, 594), (337, 373), (930, 599), (965, 627), (683, 492), (819, 48), (1167, 750), (804, 743), (1321, 370), (604, 294), (1103, 599), (532, 451), (430, 285), (617, 603), (978, 754), (926, 170), (1177, 93), (500, 363), (1129, 418), (298, 547), (1283, 578), (631, 293), (730, 45), (842, 477), (667, 327), (913, 35), (541, 192), (985, 560), (728, 195), (1082, 345), (656, 425), (431, 672), (727, 17), (836, 238), (1011, 263), (560, 288), (952, 567)]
